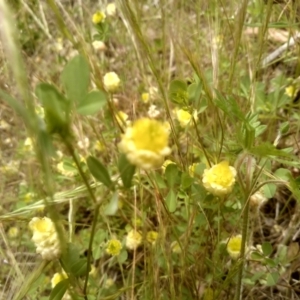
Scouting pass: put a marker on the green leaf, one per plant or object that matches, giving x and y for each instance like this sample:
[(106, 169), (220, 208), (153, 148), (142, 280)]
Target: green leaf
[(122, 257), (178, 92), (295, 187), (202, 106), (267, 149), (126, 170), (171, 174), (56, 108), (59, 290), (271, 262), (272, 278), (92, 103), (194, 92), (186, 181), (229, 105), (80, 267), (283, 174), (76, 78), (44, 142), (258, 276), (69, 256), (99, 171), (112, 207), (267, 248), (171, 201), (158, 179), (269, 190)]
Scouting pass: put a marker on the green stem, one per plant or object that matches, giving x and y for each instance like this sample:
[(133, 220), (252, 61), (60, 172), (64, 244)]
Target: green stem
[(243, 251)]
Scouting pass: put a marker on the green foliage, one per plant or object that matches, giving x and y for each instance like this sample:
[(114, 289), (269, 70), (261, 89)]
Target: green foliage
[(112, 207), (56, 107), (73, 263), (245, 115), (178, 93), (92, 103), (59, 290), (99, 171), (76, 79), (171, 201), (126, 170)]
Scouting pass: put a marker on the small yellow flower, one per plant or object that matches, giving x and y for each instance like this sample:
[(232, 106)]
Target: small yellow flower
[(145, 143), (13, 232), (28, 145), (40, 111), (99, 46), (28, 197), (133, 239), (111, 9), (109, 283), (184, 117), (192, 169), (122, 119), (98, 17), (45, 238), (234, 246), (219, 179), (257, 199), (290, 91), (93, 271), (152, 237), (145, 97), (176, 247), (137, 222), (98, 146), (58, 277), (113, 247), (111, 81)]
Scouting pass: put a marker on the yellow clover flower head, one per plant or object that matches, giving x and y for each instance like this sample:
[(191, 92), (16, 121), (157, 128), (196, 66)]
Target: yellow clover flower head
[(145, 97), (111, 9), (99, 46), (111, 81), (145, 143), (98, 17), (133, 239), (192, 169), (290, 91), (184, 117), (257, 199), (109, 283), (58, 277), (176, 247), (28, 144), (122, 118), (45, 238), (219, 179), (152, 237), (13, 232), (113, 247), (234, 246)]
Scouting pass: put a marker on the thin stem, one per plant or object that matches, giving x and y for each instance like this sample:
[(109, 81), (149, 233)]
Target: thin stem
[(243, 250)]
